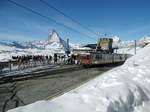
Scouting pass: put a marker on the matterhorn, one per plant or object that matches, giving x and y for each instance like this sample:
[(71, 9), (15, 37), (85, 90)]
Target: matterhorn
[(56, 42), (54, 37)]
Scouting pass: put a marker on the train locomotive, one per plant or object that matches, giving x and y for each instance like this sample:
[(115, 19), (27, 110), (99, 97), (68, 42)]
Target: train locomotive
[(103, 54)]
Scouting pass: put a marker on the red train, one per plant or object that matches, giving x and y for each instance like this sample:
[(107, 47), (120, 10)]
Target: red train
[(101, 58)]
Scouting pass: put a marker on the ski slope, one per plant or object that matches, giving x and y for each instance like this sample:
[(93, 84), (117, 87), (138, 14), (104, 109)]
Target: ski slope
[(122, 89)]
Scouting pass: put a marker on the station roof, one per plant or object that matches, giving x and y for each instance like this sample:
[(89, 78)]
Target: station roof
[(92, 46)]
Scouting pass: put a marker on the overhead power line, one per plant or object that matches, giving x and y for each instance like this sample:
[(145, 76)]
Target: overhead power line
[(56, 9), (48, 18)]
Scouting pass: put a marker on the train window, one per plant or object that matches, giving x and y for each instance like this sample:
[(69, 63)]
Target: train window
[(97, 57), (88, 57), (84, 57)]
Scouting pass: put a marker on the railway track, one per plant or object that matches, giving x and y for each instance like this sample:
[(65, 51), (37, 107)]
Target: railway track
[(44, 72), (39, 73)]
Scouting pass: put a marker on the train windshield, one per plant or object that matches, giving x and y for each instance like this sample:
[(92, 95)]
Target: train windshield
[(86, 57)]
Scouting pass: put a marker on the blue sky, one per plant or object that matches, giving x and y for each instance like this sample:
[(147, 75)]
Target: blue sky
[(128, 19)]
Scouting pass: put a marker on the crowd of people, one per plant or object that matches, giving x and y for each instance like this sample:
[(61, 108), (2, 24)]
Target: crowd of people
[(25, 61), (31, 60)]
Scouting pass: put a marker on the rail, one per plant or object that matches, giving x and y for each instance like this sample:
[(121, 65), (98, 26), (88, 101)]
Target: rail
[(40, 73)]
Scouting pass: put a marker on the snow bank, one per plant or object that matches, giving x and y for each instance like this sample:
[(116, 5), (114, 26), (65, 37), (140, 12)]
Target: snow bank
[(123, 89), (128, 50)]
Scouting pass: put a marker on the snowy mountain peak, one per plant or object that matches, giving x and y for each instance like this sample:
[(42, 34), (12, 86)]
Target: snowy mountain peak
[(55, 41), (116, 39), (54, 37), (145, 39)]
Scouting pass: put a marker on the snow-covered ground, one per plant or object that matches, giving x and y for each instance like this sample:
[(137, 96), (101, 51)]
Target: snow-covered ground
[(128, 47), (128, 50), (122, 89), (6, 52)]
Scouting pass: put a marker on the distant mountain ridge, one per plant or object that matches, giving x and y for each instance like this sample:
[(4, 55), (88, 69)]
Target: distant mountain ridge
[(11, 44), (54, 44), (54, 41), (130, 43)]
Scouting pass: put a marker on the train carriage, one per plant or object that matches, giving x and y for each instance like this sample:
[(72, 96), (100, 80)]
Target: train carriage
[(85, 59), (101, 58)]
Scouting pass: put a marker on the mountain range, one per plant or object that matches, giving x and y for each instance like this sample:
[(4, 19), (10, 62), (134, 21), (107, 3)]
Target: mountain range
[(54, 41), (55, 44)]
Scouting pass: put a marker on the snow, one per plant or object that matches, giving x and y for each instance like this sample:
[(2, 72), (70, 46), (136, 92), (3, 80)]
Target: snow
[(122, 89), (83, 48), (116, 41), (54, 44), (145, 39), (6, 52), (75, 46), (54, 38), (128, 50), (55, 41)]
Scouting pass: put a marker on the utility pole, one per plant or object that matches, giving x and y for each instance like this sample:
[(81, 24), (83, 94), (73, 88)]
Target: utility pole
[(68, 47), (134, 46)]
